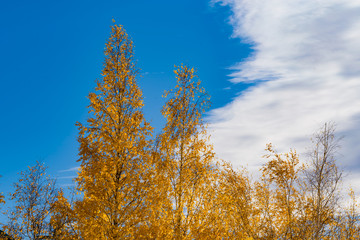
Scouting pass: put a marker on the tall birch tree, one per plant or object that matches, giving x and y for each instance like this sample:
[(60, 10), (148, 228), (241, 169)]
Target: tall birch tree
[(186, 163), (114, 149)]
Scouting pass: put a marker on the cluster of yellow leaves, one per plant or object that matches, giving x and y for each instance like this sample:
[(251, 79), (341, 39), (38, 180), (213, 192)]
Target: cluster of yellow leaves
[(279, 205), (2, 198)]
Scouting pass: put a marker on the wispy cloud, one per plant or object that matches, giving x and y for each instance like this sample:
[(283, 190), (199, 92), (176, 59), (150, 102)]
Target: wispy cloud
[(73, 169), (307, 60), (70, 185), (67, 177)]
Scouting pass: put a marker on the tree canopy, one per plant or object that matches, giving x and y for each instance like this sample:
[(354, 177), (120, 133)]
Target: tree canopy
[(133, 185)]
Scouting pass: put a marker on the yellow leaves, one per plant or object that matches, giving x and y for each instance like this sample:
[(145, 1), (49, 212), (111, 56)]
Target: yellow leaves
[(266, 209), (34, 196), (2, 198), (131, 186), (279, 169), (185, 165), (114, 149)]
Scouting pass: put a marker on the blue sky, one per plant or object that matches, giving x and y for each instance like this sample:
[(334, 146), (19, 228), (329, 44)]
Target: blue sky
[(52, 53), (294, 66)]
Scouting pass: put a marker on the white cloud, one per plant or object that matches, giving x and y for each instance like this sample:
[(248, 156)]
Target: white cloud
[(307, 59)]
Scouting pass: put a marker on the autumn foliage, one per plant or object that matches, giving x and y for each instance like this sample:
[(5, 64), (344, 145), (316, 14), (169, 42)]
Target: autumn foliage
[(133, 185)]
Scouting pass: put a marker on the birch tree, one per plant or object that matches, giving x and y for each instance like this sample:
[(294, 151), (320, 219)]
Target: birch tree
[(186, 162), (34, 197), (114, 149)]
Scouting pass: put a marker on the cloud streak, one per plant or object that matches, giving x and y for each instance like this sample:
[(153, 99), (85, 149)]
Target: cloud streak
[(306, 62), (73, 169)]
